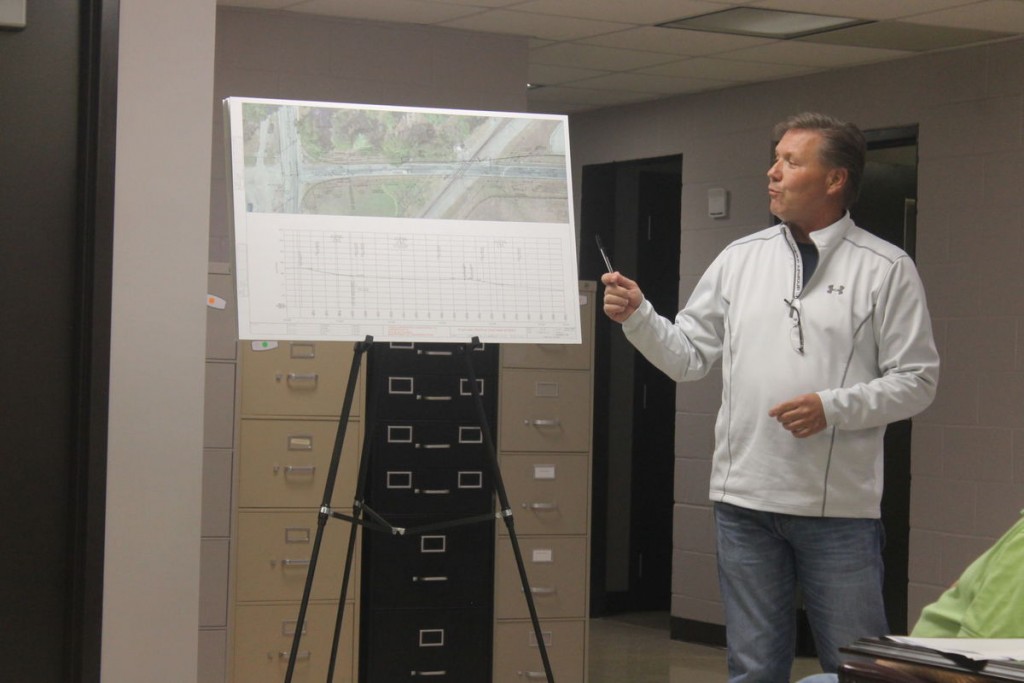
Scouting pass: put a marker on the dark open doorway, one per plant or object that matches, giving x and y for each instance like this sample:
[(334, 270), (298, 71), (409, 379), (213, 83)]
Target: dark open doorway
[(635, 207), (888, 208)]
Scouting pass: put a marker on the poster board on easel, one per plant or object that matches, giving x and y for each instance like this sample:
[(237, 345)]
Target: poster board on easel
[(401, 223)]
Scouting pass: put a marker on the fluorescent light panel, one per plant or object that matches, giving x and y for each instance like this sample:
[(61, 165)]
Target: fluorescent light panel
[(764, 23)]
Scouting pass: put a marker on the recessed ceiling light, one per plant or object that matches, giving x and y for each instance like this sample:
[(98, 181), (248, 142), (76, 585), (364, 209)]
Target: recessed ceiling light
[(764, 23)]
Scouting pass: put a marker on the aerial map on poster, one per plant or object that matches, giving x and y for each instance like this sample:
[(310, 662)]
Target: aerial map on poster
[(406, 224)]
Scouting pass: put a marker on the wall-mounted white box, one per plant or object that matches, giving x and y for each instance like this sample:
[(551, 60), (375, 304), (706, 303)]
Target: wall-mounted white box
[(12, 13), (718, 202)]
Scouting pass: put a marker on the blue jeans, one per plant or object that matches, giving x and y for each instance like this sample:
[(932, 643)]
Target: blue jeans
[(764, 556)]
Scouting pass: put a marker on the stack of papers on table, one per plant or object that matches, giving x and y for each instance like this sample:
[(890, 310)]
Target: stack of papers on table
[(976, 649)]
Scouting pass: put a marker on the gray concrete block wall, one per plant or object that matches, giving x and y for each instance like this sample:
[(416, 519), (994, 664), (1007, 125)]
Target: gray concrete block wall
[(968, 448)]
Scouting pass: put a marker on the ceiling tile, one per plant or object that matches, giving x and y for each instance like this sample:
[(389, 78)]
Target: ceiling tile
[(650, 83), (728, 70), (588, 96), (549, 74), (490, 4), (596, 57), (406, 11), (861, 9), (814, 54), (644, 12), (991, 15), (899, 35), (675, 41), (555, 107), (535, 25), (620, 50), (256, 4)]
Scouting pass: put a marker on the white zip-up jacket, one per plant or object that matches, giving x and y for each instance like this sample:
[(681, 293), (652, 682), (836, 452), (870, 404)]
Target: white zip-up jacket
[(868, 352)]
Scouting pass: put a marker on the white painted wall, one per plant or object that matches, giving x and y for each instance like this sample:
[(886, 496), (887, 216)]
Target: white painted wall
[(154, 461)]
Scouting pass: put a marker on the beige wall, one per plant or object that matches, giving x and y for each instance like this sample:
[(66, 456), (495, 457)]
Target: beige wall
[(968, 448), (154, 456)]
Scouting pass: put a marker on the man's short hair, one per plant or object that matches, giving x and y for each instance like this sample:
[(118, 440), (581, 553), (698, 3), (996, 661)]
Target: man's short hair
[(844, 146)]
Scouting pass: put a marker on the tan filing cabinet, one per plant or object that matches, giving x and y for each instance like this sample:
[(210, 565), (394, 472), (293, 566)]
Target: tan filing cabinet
[(544, 448), (517, 655), (291, 402), (263, 643), (219, 436)]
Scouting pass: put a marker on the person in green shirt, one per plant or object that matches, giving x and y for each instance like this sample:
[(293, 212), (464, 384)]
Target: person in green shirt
[(987, 601)]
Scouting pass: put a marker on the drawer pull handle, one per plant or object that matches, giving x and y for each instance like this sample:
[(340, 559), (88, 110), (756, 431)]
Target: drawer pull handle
[(294, 563), (437, 353), (534, 675), (436, 398), (544, 423), (284, 656), (540, 506), (430, 579), (436, 492), (437, 445), (300, 469), (539, 590), (429, 673), (305, 380)]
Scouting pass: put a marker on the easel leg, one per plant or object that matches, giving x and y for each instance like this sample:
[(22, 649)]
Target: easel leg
[(341, 602), (357, 513), (325, 509), (506, 510)]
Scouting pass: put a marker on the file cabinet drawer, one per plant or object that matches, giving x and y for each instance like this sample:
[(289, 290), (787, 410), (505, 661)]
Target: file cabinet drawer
[(263, 643), (219, 406), (517, 656), (545, 410), (443, 645), (431, 397), (548, 492), (274, 550), (286, 463), (556, 568), (417, 357), (221, 317), (297, 378), (428, 488), (449, 567), (419, 441)]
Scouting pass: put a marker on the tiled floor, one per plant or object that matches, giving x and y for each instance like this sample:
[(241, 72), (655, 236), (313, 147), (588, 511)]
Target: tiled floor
[(636, 648)]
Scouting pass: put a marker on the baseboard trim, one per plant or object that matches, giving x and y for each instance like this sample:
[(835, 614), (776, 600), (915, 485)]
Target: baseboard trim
[(691, 631)]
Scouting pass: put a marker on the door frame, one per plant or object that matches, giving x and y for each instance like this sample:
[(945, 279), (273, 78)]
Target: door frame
[(609, 210)]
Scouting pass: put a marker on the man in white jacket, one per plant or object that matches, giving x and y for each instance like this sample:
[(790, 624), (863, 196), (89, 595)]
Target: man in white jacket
[(824, 338)]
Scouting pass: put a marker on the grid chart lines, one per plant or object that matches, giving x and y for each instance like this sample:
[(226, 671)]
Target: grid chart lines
[(409, 278)]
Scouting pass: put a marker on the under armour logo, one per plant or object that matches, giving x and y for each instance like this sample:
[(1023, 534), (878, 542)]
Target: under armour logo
[(832, 289)]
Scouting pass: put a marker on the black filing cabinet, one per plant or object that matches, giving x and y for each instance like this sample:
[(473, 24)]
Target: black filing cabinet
[(428, 596)]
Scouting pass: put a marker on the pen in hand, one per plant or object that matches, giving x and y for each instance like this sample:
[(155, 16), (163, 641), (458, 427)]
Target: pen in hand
[(604, 254)]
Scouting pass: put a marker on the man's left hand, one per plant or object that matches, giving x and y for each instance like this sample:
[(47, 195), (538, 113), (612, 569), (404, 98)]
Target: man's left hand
[(802, 416)]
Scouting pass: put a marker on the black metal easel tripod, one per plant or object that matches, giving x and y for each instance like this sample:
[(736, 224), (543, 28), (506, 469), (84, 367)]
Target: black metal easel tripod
[(360, 513)]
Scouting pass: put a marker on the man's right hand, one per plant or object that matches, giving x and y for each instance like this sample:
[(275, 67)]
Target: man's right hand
[(622, 296)]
